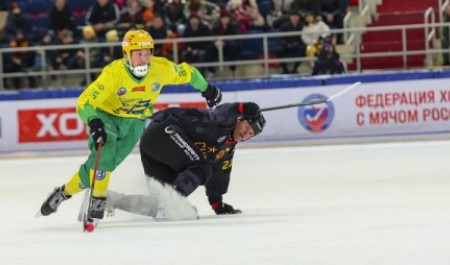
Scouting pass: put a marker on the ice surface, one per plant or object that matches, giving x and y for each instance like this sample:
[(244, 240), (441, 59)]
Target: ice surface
[(329, 205)]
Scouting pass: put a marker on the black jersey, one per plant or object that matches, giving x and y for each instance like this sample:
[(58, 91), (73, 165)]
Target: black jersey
[(211, 132)]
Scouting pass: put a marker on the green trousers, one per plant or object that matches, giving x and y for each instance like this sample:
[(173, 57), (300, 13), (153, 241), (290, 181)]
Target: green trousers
[(122, 136)]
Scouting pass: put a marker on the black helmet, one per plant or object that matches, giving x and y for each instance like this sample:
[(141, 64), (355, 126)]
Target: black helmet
[(257, 122)]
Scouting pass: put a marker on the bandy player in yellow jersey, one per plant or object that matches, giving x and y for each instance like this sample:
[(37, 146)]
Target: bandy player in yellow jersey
[(115, 107)]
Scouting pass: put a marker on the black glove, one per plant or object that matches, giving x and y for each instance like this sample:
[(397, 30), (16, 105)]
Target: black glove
[(223, 208), (97, 130), (251, 110), (213, 95)]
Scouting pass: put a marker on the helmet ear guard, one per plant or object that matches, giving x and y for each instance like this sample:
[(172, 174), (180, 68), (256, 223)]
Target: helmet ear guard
[(257, 122), (252, 113)]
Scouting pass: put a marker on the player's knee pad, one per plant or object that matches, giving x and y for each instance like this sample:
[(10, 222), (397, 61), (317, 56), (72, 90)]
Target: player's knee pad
[(189, 180)]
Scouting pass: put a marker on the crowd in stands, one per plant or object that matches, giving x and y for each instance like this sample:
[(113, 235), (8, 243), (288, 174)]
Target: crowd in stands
[(60, 22)]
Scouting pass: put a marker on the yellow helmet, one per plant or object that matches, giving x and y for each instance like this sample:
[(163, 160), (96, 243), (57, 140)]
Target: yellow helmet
[(136, 39)]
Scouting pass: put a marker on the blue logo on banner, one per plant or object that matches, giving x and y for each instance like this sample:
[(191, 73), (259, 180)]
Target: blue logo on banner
[(316, 118)]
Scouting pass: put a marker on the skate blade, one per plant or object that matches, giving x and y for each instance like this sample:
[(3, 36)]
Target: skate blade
[(84, 205)]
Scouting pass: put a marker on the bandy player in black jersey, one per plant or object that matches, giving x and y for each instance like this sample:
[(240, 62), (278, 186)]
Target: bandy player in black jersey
[(187, 147)]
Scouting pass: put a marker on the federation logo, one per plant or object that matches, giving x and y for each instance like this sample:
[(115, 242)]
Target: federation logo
[(155, 87), (122, 91), (100, 175), (316, 118), (220, 154), (81, 186)]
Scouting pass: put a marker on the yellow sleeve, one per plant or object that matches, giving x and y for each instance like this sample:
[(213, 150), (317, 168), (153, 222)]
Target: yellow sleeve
[(175, 74), (97, 95)]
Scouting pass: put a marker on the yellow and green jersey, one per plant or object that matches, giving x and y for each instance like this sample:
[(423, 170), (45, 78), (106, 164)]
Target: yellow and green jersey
[(117, 92)]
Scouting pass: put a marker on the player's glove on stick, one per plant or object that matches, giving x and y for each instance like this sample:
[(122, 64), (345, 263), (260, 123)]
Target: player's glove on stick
[(213, 95), (223, 208), (97, 130)]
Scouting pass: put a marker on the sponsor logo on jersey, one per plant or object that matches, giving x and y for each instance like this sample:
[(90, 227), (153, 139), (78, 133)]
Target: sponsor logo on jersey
[(220, 154), (316, 118), (100, 175), (221, 139), (122, 91), (138, 89), (155, 87), (178, 140)]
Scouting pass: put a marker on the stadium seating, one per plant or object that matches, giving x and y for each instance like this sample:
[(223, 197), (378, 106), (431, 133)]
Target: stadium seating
[(394, 12), (80, 5), (36, 7)]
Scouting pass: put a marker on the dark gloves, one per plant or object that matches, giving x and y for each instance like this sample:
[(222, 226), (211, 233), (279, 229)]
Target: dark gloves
[(97, 130), (223, 208), (213, 95)]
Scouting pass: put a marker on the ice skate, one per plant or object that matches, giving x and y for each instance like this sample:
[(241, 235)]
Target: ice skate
[(53, 201), (97, 209)]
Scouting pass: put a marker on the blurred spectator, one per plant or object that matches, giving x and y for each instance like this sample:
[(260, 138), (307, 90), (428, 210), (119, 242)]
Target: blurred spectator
[(89, 36), (445, 39), (304, 6), (61, 17), (68, 58), (103, 16), (92, 54), (158, 30), (247, 15), (195, 51), (131, 16), (160, 6), (113, 51), (291, 46), (279, 20), (174, 14), (168, 47), (328, 62), (224, 27), (16, 21), (333, 13), (50, 55), (150, 9), (206, 10), (313, 33), (19, 61), (121, 4)]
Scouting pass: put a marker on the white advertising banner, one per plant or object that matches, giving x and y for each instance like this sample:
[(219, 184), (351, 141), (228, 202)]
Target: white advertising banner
[(372, 110)]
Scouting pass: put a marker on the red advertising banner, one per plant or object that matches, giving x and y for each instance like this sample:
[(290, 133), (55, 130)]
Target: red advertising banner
[(63, 124), (50, 125)]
